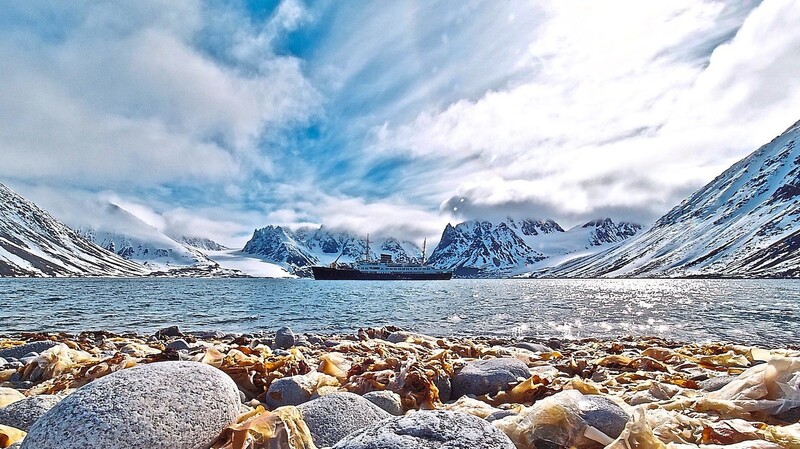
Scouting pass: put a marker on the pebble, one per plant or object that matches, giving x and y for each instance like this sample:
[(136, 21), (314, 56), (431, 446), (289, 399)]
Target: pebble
[(437, 429), (180, 405), (715, 383), (333, 416), (284, 338), (22, 414), (388, 401), (172, 331), (603, 414), (179, 345), (293, 390), (17, 352), (533, 347), (208, 335), (499, 415), (488, 376)]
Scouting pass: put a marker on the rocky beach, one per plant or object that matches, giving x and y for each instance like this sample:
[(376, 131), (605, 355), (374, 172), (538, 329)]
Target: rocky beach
[(390, 388)]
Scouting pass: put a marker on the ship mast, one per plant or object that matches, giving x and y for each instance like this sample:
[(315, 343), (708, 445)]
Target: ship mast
[(424, 241), (366, 253)]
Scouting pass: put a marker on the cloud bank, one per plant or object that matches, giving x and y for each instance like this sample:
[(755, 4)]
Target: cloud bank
[(211, 119)]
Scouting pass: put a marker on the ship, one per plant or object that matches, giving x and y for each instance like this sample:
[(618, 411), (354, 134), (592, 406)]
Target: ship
[(384, 269)]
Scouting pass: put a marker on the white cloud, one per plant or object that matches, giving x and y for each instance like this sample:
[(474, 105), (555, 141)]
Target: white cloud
[(619, 113), (126, 96)]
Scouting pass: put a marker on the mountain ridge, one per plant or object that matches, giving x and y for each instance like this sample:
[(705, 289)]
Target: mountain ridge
[(744, 223)]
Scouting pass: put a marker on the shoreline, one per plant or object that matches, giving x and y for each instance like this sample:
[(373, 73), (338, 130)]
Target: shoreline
[(657, 384)]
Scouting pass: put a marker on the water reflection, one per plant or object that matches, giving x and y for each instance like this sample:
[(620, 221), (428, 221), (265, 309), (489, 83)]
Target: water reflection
[(753, 311)]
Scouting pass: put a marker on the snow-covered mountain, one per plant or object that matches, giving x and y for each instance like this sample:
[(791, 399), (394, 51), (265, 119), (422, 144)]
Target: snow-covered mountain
[(509, 247), (312, 246), (201, 243), (745, 223), (121, 232), (34, 243)]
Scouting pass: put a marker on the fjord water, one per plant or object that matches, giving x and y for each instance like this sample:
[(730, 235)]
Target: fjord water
[(765, 312)]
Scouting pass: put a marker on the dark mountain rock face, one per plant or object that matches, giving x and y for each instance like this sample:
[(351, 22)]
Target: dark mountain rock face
[(486, 249), (34, 243), (744, 223)]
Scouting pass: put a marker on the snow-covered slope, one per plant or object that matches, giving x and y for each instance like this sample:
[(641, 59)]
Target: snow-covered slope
[(509, 247), (201, 243), (312, 246), (121, 232), (746, 222), (33, 243)]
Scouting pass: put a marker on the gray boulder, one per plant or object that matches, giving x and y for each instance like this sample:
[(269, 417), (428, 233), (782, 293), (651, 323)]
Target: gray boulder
[(179, 345), (437, 429), (284, 338), (22, 414), (488, 376), (180, 405), (17, 352), (293, 390), (603, 414), (388, 401), (331, 417)]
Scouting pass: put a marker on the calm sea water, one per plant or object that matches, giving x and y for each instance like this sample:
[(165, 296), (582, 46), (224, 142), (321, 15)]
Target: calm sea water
[(765, 312)]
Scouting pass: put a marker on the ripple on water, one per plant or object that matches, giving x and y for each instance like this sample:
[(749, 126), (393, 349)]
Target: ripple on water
[(742, 310)]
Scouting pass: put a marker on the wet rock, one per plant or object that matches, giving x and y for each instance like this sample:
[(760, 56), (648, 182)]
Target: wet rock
[(179, 345), (9, 396), (331, 417), (488, 376), (603, 414), (715, 383), (165, 333), (388, 401), (428, 430), (315, 340), (533, 347), (22, 414), (208, 335), (180, 405), (18, 352), (284, 338), (293, 390), (445, 387)]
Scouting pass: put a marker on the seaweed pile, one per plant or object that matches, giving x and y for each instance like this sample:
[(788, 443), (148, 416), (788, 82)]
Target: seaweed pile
[(673, 394)]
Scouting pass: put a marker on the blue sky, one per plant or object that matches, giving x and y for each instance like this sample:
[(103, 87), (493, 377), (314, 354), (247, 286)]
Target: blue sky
[(213, 118)]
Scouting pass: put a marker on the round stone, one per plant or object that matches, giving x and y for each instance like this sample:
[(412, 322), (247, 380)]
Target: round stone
[(284, 338), (488, 376), (293, 390), (439, 429), (180, 405), (17, 352), (332, 416), (388, 401), (603, 414), (22, 414)]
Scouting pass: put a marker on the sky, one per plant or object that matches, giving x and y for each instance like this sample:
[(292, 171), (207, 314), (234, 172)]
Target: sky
[(213, 118)]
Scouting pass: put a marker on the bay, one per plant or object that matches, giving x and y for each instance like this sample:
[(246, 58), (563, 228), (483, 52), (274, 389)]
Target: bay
[(763, 312)]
